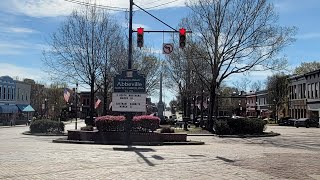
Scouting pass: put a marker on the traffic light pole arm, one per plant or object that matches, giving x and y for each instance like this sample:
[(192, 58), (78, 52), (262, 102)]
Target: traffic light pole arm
[(162, 31)]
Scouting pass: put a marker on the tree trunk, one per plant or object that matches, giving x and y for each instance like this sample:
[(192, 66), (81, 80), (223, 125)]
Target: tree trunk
[(105, 97), (213, 108), (92, 99)]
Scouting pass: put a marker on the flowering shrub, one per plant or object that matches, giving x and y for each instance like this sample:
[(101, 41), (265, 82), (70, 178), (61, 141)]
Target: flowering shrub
[(110, 123), (117, 123), (145, 123)]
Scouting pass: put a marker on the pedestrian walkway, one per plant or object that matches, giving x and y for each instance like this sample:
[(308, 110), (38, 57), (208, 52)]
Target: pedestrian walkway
[(293, 155)]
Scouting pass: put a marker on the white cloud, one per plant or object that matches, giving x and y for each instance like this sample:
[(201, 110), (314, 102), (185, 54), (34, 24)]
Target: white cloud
[(135, 26), (11, 48), (20, 30), (13, 71), (309, 36), (53, 8), (152, 50)]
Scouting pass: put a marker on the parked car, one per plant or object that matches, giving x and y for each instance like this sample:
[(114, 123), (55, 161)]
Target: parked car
[(286, 121), (307, 122)]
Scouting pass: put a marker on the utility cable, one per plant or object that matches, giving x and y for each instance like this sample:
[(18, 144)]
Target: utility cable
[(163, 4), (112, 8)]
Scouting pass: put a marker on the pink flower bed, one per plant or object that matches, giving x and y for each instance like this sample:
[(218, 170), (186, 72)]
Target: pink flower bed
[(146, 123), (143, 123), (110, 123)]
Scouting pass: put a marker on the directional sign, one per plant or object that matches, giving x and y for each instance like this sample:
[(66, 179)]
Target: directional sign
[(129, 102), (129, 81), (167, 48)]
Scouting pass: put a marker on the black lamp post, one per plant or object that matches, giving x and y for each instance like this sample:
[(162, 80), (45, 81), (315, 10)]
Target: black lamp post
[(46, 107), (276, 113), (76, 105)]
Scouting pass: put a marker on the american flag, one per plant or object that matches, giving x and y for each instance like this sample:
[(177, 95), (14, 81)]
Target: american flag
[(66, 94), (97, 103)]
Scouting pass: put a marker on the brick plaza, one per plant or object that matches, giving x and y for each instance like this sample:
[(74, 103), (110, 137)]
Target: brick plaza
[(293, 155)]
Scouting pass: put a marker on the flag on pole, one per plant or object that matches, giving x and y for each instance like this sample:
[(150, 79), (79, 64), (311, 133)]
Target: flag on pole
[(110, 105), (66, 94), (97, 103)]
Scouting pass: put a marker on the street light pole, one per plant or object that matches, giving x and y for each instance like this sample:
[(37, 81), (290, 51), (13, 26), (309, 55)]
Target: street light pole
[(76, 124), (46, 108), (276, 113)]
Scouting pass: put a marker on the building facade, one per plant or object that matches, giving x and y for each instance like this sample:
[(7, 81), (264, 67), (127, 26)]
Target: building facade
[(262, 104), (7, 97), (251, 105), (14, 101), (304, 95)]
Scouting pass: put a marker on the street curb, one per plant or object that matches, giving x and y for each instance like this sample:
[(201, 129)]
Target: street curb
[(43, 134), (201, 135), (64, 140), (249, 135)]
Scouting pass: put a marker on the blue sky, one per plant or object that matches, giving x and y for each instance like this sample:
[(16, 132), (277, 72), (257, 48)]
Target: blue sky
[(26, 27)]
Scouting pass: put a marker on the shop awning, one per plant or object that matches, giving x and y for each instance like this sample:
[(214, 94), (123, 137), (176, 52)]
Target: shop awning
[(25, 108), (8, 109), (314, 107)]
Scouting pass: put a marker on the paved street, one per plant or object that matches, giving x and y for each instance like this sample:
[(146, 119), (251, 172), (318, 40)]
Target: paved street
[(293, 155)]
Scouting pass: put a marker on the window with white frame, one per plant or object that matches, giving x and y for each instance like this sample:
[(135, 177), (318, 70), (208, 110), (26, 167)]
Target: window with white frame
[(9, 93), (316, 89), (4, 93), (312, 91)]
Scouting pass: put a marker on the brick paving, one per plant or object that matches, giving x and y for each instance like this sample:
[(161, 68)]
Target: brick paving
[(293, 155)]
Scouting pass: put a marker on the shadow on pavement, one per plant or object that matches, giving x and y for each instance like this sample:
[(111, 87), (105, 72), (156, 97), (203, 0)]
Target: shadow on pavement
[(139, 151)]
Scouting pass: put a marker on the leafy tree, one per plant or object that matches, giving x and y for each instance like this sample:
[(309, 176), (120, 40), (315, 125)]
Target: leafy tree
[(277, 86), (306, 67)]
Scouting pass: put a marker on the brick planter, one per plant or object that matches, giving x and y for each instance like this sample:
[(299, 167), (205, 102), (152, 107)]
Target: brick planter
[(172, 137), (82, 135), (120, 137)]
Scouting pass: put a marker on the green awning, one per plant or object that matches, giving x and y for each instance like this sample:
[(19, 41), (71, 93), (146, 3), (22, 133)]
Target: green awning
[(25, 108), (28, 109)]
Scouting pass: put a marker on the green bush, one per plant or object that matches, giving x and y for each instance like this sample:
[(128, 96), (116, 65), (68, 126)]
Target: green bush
[(167, 130), (46, 126), (222, 127), (240, 126)]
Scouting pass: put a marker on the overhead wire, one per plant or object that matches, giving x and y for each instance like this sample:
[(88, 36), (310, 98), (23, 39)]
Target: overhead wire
[(163, 4), (112, 8)]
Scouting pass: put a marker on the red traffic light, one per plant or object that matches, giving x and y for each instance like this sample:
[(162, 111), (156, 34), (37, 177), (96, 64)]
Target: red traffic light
[(140, 37), (182, 37), (182, 31), (140, 30)]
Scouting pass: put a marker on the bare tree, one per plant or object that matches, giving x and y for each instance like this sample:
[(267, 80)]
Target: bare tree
[(242, 84), (78, 48), (236, 36), (257, 85)]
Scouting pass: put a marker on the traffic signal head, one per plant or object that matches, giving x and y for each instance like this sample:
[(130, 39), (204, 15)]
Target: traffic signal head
[(140, 37), (182, 37)]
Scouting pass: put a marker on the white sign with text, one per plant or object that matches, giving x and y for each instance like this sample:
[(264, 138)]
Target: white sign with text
[(129, 102)]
